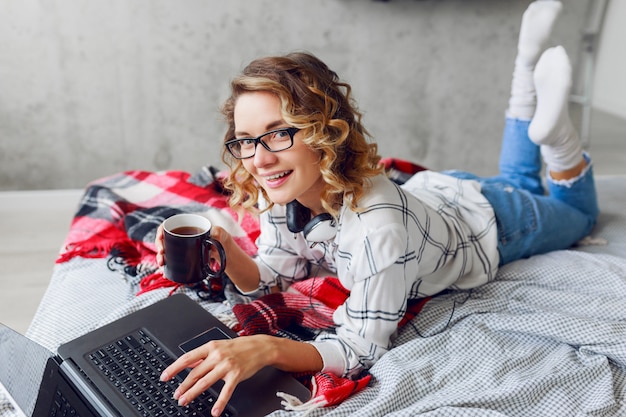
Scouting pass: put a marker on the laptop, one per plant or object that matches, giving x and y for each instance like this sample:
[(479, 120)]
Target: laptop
[(114, 370)]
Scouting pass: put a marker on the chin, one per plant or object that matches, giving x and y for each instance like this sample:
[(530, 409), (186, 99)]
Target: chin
[(281, 200)]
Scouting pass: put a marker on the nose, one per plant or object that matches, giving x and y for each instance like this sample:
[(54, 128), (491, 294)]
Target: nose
[(263, 157)]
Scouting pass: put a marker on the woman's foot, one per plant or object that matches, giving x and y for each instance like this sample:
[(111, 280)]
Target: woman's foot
[(536, 27), (551, 127)]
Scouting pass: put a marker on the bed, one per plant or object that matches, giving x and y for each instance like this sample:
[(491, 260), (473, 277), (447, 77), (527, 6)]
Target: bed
[(546, 337)]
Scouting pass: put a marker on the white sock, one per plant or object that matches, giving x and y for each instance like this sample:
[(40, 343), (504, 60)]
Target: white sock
[(537, 23), (551, 127)]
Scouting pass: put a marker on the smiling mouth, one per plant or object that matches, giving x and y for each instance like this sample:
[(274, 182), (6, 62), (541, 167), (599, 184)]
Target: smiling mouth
[(277, 176)]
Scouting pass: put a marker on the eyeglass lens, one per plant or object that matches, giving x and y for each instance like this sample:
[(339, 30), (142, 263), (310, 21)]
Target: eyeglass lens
[(273, 141)]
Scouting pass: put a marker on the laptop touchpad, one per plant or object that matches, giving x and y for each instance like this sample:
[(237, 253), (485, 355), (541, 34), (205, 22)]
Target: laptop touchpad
[(199, 340)]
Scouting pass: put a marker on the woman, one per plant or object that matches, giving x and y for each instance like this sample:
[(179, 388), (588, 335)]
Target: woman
[(294, 135)]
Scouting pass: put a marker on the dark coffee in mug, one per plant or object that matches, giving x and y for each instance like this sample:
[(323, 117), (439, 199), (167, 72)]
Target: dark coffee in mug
[(191, 255), (188, 230)]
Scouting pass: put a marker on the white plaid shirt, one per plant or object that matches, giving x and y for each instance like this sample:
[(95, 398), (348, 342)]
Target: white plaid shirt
[(434, 232)]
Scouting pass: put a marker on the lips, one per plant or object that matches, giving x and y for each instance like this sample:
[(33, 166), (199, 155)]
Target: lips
[(277, 179)]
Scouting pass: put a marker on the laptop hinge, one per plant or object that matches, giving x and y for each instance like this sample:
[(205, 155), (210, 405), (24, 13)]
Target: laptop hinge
[(81, 385)]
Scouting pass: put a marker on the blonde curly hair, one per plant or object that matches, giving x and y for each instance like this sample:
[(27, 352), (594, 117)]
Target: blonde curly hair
[(314, 100)]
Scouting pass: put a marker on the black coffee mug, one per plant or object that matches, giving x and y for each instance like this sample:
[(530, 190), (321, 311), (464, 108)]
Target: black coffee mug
[(188, 247)]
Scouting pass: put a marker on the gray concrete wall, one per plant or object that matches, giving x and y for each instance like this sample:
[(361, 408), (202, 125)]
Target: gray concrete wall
[(90, 88)]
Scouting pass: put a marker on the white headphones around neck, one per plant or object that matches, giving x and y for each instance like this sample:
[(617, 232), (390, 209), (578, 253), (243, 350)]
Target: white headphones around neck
[(320, 228)]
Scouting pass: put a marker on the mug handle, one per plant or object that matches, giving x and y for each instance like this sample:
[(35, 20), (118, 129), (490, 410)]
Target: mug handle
[(208, 242)]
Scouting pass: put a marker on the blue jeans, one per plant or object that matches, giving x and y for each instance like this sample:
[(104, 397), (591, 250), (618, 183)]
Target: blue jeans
[(530, 221)]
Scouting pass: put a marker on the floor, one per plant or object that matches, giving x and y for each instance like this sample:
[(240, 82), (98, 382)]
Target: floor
[(32, 237)]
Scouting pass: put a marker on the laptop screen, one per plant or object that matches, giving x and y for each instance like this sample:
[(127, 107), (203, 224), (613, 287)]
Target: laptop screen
[(22, 363)]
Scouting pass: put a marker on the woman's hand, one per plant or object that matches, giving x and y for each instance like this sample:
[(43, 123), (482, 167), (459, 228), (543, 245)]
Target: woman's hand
[(232, 361), (236, 360), (160, 246)]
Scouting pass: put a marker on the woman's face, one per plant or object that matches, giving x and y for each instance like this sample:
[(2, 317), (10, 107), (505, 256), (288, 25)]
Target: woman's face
[(286, 175)]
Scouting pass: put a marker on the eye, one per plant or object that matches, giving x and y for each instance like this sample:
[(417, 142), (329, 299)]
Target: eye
[(280, 135), (247, 143)]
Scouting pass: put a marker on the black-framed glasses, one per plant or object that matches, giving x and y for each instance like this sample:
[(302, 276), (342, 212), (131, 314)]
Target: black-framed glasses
[(274, 141)]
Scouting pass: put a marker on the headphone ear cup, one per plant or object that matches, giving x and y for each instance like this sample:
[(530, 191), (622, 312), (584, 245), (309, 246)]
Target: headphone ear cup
[(297, 216), (320, 229)]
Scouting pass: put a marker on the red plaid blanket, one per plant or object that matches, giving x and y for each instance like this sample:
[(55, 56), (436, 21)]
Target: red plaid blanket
[(118, 217)]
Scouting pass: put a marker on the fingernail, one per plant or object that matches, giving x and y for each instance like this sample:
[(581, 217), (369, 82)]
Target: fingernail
[(177, 393), (216, 412), (182, 401), (165, 376)]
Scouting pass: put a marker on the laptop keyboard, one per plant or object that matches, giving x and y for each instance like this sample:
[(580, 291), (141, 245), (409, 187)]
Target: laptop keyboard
[(61, 407), (134, 365)]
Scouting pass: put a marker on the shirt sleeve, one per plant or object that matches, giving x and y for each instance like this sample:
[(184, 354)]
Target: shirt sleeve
[(379, 287), (365, 323), (279, 256)]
